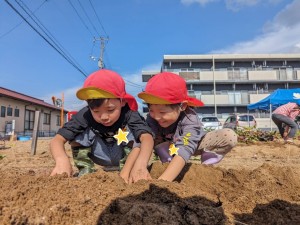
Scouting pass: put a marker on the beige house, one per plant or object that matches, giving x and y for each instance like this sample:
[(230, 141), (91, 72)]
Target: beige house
[(17, 115)]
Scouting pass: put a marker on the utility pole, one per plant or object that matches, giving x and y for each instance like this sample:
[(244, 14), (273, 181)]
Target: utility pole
[(102, 47), (214, 83)]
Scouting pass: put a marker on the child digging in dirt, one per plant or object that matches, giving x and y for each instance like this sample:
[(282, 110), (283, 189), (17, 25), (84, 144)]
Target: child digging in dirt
[(103, 132), (178, 131), (284, 117)]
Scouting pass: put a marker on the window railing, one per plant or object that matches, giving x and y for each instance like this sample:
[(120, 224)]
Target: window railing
[(194, 74)]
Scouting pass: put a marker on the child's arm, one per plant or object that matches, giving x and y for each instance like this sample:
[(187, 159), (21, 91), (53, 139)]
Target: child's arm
[(173, 169), (188, 135), (133, 155), (139, 170), (62, 162)]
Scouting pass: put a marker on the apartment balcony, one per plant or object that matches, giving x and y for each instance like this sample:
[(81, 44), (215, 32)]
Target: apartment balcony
[(228, 98), (238, 74)]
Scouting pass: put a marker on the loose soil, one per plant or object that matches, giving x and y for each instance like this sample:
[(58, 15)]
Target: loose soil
[(254, 184)]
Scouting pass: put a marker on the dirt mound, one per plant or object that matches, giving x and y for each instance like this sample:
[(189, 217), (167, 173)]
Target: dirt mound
[(256, 184)]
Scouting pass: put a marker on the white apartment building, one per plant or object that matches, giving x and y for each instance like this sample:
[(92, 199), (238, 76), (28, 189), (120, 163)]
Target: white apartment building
[(227, 83)]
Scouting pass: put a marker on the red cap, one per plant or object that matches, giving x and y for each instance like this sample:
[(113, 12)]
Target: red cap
[(167, 88), (105, 84)]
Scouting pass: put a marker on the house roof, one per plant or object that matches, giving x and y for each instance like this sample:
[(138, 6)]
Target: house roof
[(25, 98)]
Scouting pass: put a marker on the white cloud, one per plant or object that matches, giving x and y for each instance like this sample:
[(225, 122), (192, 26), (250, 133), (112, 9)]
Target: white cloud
[(201, 2), (233, 5), (236, 5), (288, 17), (71, 102), (285, 40), (279, 36), (153, 67), (134, 84)]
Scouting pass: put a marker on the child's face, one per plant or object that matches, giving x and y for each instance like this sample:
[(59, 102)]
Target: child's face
[(165, 115), (109, 112)]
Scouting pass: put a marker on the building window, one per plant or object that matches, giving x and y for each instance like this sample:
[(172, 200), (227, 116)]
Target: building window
[(57, 120), (46, 118), (29, 120), (9, 111), (17, 112), (3, 110)]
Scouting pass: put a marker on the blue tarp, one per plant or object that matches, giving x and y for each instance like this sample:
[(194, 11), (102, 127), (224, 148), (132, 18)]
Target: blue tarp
[(276, 99)]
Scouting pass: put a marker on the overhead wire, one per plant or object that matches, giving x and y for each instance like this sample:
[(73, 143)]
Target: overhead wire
[(54, 43), (17, 25), (47, 33), (105, 52), (133, 84), (105, 38), (45, 39), (85, 25), (80, 17), (88, 18), (92, 49), (101, 38), (107, 59), (98, 18)]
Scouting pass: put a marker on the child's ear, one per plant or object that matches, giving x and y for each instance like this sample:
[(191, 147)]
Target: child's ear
[(183, 105), (123, 102)]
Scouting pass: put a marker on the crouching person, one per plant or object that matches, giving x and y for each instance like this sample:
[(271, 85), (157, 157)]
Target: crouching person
[(177, 128), (102, 133)]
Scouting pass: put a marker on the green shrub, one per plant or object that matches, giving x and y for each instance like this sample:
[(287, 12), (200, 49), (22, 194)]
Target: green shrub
[(252, 135)]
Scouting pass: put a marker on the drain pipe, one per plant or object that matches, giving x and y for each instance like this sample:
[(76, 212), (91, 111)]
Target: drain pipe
[(25, 118)]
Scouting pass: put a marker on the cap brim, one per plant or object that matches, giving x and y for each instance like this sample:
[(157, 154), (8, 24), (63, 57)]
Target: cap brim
[(93, 93), (152, 99), (194, 102)]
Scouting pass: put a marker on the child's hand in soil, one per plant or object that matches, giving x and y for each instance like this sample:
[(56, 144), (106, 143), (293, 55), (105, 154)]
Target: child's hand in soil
[(62, 167), (124, 176), (137, 174)]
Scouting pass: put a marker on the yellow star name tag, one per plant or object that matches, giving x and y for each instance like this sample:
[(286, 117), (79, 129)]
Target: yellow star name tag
[(173, 150), (121, 136)]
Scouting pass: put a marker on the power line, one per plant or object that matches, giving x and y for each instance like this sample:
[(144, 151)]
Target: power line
[(107, 59), (80, 18), (11, 29), (133, 84), (57, 44), (45, 39), (88, 18), (47, 32), (98, 18), (101, 38), (16, 26), (92, 50)]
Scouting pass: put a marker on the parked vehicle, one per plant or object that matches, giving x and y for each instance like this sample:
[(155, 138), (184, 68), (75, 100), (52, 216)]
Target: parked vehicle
[(211, 123), (240, 120)]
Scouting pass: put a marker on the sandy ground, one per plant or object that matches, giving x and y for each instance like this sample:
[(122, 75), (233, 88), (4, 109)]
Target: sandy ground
[(254, 184)]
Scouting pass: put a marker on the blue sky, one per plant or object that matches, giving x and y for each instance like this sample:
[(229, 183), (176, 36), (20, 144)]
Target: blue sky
[(140, 32)]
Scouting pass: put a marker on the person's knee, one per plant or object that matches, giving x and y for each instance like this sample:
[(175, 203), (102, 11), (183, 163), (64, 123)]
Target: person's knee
[(294, 126), (230, 137)]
